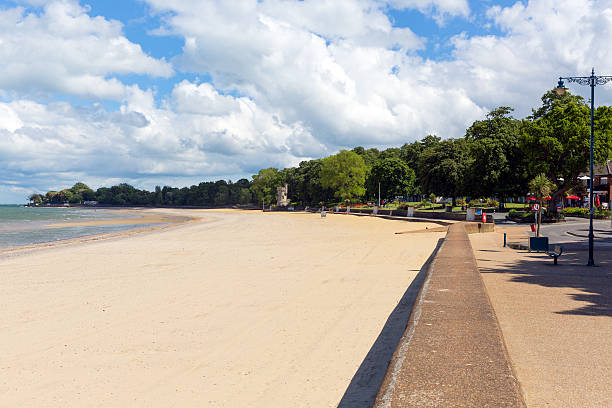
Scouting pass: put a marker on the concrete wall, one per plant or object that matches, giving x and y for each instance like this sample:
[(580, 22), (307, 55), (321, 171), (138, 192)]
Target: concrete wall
[(417, 214), (476, 227)]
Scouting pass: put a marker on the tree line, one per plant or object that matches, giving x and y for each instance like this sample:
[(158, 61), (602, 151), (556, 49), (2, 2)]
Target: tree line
[(205, 194), (497, 157)]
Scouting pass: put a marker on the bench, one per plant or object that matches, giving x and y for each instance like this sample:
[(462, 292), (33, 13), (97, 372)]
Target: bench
[(556, 252)]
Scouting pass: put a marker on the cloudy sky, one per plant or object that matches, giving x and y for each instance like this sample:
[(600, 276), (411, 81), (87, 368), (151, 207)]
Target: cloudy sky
[(174, 92)]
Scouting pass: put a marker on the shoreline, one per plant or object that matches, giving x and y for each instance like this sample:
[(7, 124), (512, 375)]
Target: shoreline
[(147, 216)]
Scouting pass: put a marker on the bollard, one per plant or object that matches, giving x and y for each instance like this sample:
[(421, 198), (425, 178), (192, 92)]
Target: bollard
[(504, 239)]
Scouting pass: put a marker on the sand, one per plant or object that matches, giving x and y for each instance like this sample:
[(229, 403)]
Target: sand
[(237, 309), (144, 217)]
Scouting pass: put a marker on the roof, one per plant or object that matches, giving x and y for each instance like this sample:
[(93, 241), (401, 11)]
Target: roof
[(601, 169)]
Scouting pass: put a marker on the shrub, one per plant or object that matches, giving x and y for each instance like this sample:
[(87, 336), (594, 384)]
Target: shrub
[(521, 216), (584, 212), (602, 213), (575, 211), (492, 203), (475, 202)]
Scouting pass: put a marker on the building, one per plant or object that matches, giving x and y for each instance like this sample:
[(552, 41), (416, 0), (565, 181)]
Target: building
[(602, 181), (281, 196)]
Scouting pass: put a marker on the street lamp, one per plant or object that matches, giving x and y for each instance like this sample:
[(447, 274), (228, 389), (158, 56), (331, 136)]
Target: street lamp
[(591, 81)]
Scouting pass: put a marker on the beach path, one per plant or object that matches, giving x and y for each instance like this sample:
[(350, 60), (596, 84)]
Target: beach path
[(242, 308)]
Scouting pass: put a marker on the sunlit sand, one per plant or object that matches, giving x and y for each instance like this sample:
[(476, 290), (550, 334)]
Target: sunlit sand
[(247, 309)]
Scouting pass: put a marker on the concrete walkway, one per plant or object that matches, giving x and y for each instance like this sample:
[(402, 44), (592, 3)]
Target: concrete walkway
[(556, 320), (452, 354)]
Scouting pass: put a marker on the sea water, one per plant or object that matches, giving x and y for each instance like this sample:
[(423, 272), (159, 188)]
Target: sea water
[(21, 225)]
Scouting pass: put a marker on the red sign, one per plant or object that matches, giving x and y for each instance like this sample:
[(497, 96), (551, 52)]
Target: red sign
[(484, 217), (535, 207)]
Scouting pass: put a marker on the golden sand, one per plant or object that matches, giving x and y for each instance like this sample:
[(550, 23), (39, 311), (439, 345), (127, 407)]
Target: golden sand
[(249, 309)]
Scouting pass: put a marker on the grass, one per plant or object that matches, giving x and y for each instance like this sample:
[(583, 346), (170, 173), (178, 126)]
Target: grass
[(516, 206)]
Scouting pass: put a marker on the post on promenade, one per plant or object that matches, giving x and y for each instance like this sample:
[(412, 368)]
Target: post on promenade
[(591, 81)]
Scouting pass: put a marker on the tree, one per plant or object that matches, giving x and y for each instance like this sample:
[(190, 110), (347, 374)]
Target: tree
[(411, 154), (308, 187), (51, 197), (556, 140), (35, 198), (245, 196), (222, 196), (264, 185), (369, 156), (158, 198), (392, 152), (541, 187), (81, 191), (345, 174), (498, 167), (442, 168), (394, 176), (79, 186)]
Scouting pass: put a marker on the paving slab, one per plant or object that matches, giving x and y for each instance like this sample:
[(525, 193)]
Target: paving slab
[(556, 320), (452, 353)]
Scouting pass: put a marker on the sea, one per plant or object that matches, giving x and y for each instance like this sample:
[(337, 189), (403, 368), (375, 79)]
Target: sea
[(21, 225)]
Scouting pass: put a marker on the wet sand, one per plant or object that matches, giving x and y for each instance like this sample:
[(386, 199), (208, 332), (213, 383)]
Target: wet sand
[(145, 216), (234, 309)]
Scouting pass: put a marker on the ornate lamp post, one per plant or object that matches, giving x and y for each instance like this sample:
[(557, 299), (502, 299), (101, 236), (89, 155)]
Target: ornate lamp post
[(591, 81)]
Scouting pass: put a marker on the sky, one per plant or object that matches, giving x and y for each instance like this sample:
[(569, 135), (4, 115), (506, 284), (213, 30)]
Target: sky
[(175, 92)]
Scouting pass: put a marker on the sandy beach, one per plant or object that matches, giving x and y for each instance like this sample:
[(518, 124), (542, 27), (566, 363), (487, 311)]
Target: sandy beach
[(234, 309)]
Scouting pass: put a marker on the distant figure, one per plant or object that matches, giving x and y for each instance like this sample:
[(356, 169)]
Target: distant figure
[(281, 196)]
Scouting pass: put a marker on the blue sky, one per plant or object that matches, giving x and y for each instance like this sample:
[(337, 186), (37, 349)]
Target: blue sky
[(175, 92)]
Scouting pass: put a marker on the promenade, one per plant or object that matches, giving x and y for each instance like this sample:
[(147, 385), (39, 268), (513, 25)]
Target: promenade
[(499, 327), (452, 353), (556, 320)]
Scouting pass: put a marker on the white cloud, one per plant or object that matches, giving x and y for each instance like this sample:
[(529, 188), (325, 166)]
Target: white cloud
[(543, 40), (64, 50), (337, 67), (203, 134), (290, 80)]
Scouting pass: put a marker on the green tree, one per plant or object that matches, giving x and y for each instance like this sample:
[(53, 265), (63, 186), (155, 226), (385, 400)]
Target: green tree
[(498, 167), (345, 174), (308, 187), (264, 185), (79, 186), (245, 196), (392, 152), (442, 168), (411, 154), (394, 176), (222, 197), (35, 198), (541, 187), (51, 197), (369, 156), (80, 192), (556, 140), (158, 198)]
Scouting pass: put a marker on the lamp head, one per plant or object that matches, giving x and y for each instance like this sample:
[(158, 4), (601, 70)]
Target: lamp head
[(560, 89)]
